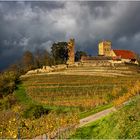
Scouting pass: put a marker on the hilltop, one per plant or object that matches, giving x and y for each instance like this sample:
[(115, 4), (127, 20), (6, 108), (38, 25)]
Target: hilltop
[(53, 98)]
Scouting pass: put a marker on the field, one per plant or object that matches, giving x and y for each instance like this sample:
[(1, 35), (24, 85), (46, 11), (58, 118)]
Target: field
[(75, 91), (66, 98)]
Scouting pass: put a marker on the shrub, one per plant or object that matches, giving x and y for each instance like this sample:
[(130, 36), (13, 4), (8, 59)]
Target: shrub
[(135, 90), (61, 110), (8, 82), (35, 111), (7, 102)]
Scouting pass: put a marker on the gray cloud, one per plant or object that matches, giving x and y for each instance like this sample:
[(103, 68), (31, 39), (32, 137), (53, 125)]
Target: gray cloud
[(31, 25)]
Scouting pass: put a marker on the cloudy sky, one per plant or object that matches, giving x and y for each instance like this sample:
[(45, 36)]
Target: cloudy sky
[(30, 25)]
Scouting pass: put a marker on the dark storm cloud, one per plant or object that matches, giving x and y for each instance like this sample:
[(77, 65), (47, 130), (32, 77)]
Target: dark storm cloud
[(31, 25)]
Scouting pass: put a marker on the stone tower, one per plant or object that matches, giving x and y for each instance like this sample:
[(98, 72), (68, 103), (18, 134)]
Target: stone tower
[(71, 55), (104, 48)]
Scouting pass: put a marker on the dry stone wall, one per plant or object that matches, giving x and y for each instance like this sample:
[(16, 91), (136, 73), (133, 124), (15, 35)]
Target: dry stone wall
[(47, 69)]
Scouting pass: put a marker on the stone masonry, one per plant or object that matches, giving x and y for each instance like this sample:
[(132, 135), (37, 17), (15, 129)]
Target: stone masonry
[(71, 55)]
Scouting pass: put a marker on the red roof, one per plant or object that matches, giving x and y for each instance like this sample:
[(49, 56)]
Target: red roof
[(126, 54)]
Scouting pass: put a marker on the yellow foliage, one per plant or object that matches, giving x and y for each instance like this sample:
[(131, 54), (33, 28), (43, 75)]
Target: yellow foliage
[(132, 92), (29, 128)]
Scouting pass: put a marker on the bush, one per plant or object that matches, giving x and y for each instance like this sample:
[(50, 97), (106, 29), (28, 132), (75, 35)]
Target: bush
[(35, 111), (8, 82), (61, 110), (7, 102), (135, 90)]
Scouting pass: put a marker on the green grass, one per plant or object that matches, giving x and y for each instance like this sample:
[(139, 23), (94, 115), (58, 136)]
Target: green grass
[(95, 110), (123, 124), (24, 99), (21, 95), (94, 130)]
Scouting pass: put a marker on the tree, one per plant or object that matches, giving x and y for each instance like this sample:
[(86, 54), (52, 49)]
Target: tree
[(79, 54), (41, 58), (59, 52), (16, 68), (8, 82), (28, 61)]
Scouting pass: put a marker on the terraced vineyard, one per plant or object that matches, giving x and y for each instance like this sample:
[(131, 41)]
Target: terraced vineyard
[(82, 92), (48, 103)]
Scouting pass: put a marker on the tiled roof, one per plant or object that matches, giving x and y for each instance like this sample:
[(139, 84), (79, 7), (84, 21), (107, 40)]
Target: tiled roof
[(126, 54)]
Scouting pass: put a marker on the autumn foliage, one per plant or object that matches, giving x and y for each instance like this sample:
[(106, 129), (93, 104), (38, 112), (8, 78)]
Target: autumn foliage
[(12, 122), (131, 92)]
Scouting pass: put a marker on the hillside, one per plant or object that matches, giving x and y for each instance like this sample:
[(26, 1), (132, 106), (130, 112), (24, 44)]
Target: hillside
[(47, 102), (123, 124), (80, 87), (124, 70)]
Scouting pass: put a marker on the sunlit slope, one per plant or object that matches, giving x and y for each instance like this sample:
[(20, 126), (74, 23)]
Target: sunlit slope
[(100, 71), (80, 91), (124, 124)]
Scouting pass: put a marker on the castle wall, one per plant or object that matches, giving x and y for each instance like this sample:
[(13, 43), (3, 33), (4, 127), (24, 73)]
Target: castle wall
[(100, 49), (104, 48), (96, 63), (112, 54)]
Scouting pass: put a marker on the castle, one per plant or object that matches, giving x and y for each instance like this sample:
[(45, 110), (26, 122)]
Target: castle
[(108, 56), (105, 49)]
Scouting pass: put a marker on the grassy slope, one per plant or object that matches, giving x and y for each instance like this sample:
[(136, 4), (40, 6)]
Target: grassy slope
[(101, 87), (23, 98), (95, 110), (125, 123), (21, 95), (36, 81)]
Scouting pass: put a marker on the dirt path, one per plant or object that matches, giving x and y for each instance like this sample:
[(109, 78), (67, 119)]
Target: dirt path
[(83, 122), (96, 116)]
